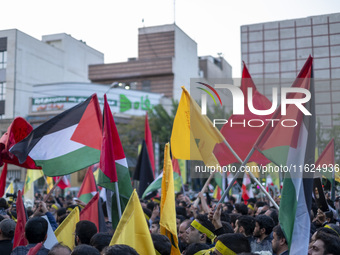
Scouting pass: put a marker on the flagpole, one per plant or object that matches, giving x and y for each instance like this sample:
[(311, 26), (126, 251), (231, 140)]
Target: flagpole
[(243, 163), (118, 200), (203, 189)]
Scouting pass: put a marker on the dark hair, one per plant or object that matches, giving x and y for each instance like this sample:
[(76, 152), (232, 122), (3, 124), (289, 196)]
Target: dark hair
[(162, 244), (85, 230), (83, 249), (205, 222), (119, 249), (229, 206), (273, 213), (227, 227), (225, 216), (196, 247), (62, 218), (248, 223), (180, 210), (241, 208), (331, 242), (265, 222), (236, 242), (100, 240), (150, 205), (278, 231), (3, 203), (36, 230), (61, 211), (55, 249), (260, 204)]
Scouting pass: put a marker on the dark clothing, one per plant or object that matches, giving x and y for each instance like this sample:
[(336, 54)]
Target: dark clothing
[(285, 253), (6, 247), (23, 250), (52, 221)]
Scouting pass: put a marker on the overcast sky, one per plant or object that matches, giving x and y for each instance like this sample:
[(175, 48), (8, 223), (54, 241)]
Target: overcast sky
[(111, 26)]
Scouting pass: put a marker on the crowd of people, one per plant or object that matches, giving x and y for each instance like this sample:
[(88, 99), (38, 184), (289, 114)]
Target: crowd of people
[(203, 227)]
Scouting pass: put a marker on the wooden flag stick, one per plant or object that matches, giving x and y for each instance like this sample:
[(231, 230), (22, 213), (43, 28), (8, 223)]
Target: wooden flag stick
[(203, 189), (118, 200), (53, 188)]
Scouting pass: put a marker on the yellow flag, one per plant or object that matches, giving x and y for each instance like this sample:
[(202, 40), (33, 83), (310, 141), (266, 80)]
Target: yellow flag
[(64, 233), (49, 182), (31, 177), (168, 226), (132, 229), (10, 188), (193, 135)]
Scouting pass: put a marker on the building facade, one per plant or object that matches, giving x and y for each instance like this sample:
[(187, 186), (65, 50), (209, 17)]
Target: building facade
[(167, 59), (274, 52)]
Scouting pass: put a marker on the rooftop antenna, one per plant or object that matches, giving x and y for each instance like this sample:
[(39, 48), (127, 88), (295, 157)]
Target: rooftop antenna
[(174, 11)]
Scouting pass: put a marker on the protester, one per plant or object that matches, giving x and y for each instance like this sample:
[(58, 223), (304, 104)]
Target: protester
[(182, 234), (100, 240), (161, 243), (325, 244), (119, 249), (85, 249), (263, 227), (35, 232), (279, 242), (231, 244), (84, 231), (59, 249), (245, 225), (7, 228), (201, 231)]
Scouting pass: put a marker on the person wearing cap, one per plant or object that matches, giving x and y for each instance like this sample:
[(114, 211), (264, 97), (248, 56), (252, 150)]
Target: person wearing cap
[(7, 229)]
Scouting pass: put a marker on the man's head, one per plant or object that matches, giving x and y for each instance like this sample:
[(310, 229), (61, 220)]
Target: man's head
[(200, 231), (279, 242), (85, 249), (263, 226), (84, 231), (235, 243), (155, 227), (245, 225), (119, 249), (7, 229), (36, 230), (59, 249), (182, 234), (101, 240), (325, 244), (161, 243)]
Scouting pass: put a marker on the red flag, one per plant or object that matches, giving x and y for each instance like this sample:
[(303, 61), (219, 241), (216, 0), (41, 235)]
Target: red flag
[(17, 131), (175, 166), (242, 137), (327, 156), (149, 144), (3, 180), (110, 151), (247, 191), (64, 183), (88, 188), (19, 234), (93, 212), (34, 250)]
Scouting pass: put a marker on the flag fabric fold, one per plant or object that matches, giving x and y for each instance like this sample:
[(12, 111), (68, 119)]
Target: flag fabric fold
[(64, 183), (132, 229), (62, 145), (3, 180), (113, 165), (149, 143), (294, 147), (143, 171), (247, 191), (327, 158), (193, 135), (92, 212), (16, 132), (64, 232), (88, 188), (242, 138), (31, 177), (19, 234), (168, 226)]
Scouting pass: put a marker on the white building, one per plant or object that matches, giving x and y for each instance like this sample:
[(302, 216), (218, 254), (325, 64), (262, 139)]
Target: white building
[(26, 61)]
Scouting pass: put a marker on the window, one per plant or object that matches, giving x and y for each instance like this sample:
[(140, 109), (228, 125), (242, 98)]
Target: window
[(3, 59), (2, 90), (146, 85)]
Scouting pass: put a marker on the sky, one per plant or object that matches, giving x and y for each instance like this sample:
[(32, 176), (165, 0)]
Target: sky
[(111, 26)]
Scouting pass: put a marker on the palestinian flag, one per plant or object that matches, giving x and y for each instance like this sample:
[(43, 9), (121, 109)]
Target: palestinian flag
[(157, 183), (294, 147), (66, 143), (88, 188), (64, 183), (113, 165)]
